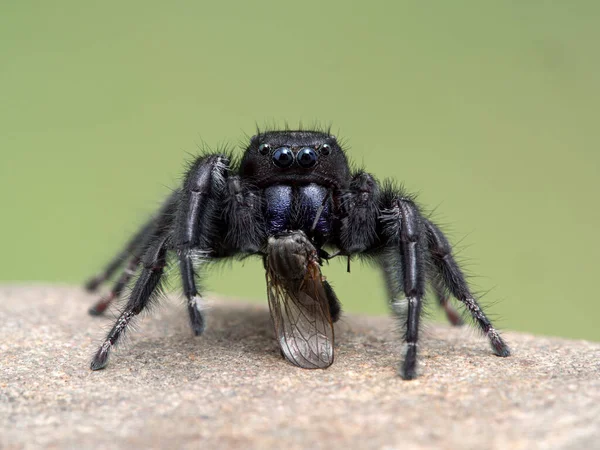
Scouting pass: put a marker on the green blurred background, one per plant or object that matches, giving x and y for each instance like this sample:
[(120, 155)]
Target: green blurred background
[(489, 110)]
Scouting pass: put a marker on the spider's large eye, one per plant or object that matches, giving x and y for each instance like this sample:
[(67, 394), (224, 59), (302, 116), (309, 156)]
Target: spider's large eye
[(264, 149), (325, 149), (307, 157), (283, 157)]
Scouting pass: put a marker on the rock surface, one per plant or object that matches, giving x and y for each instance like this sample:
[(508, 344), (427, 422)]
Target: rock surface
[(231, 389)]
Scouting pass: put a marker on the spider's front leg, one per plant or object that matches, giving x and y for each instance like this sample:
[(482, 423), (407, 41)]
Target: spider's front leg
[(404, 269), (197, 226)]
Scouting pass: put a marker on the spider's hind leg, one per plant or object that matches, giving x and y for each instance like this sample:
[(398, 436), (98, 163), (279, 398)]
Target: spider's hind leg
[(443, 298), (102, 305), (94, 282), (133, 251), (441, 253), (154, 261)]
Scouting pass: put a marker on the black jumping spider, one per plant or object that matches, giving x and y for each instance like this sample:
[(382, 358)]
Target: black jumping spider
[(293, 200)]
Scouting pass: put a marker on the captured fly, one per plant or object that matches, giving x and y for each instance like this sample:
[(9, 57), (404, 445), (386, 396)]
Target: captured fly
[(299, 300)]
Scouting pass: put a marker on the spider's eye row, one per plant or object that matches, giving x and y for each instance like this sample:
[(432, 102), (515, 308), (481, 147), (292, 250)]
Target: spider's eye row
[(307, 157), (283, 157), (325, 149), (263, 149)]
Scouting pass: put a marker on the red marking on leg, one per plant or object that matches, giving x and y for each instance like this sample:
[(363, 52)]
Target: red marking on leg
[(453, 316), (102, 305)]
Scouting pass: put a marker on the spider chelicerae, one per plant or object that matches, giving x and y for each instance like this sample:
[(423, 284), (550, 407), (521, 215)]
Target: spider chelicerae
[(293, 200)]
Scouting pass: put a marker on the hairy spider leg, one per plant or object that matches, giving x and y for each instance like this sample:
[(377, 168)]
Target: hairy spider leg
[(402, 256), (102, 305), (94, 283), (211, 205), (378, 223), (196, 226), (196, 202), (153, 261), (359, 232), (441, 252), (405, 270), (134, 251)]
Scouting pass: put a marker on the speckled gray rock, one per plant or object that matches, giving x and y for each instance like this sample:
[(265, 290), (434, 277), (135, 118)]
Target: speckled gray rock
[(231, 389)]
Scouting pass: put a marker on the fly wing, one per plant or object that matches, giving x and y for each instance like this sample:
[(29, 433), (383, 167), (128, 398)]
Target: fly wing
[(302, 321)]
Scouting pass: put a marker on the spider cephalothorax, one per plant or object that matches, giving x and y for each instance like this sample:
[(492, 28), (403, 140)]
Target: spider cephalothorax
[(293, 200)]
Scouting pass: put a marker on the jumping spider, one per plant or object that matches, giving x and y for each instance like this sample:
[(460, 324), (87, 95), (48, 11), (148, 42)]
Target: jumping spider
[(293, 200)]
